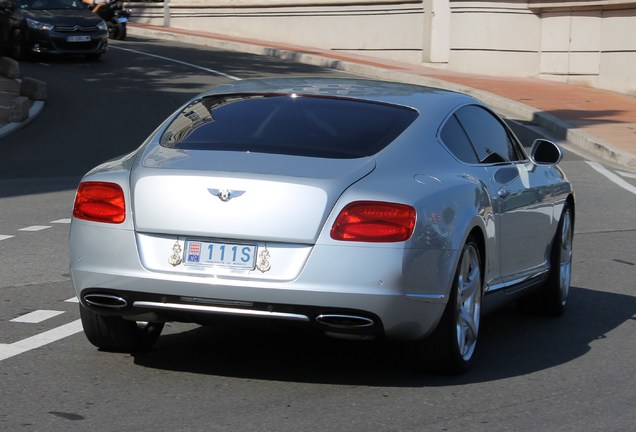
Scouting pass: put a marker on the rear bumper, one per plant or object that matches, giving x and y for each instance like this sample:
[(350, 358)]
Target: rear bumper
[(366, 295), (163, 308)]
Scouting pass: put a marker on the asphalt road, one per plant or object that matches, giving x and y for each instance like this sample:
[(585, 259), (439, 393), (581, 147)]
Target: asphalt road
[(575, 373)]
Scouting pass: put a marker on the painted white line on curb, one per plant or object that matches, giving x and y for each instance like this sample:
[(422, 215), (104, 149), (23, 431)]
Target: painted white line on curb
[(626, 174), (613, 177), (37, 316), (212, 71), (39, 340), (35, 228)]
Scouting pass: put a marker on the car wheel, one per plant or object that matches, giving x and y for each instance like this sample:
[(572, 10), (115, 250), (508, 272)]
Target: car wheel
[(451, 347), (552, 297), (113, 333), (16, 48)]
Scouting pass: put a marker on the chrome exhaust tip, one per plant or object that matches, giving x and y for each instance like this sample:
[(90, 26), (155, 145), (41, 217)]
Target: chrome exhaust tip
[(337, 321), (105, 301)]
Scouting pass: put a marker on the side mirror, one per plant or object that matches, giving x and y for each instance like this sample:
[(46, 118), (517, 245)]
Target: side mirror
[(545, 152)]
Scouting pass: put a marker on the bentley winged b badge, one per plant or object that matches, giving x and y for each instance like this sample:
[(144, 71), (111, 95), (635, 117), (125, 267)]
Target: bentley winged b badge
[(225, 194)]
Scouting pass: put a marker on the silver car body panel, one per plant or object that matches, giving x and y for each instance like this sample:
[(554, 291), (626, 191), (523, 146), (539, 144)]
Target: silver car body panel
[(288, 204), (525, 218)]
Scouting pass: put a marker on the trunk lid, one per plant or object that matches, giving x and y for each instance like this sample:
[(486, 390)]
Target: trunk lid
[(239, 195)]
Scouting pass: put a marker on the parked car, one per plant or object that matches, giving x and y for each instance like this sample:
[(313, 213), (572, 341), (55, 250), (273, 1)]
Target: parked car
[(51, 27), (360, 208)]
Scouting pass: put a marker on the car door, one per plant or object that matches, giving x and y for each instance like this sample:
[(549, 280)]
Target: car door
[(522, 204)]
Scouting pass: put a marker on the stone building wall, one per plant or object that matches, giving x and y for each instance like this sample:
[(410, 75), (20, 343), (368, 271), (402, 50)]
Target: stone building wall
[(585, 42)]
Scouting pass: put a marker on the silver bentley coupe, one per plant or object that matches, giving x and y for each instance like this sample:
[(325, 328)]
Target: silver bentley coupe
[(359, 208)]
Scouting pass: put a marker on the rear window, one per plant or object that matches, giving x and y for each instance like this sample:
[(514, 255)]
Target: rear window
[(288, 124)]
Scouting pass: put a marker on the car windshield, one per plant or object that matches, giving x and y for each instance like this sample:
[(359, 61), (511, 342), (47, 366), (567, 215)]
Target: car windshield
[(50, 4), (288, 124)]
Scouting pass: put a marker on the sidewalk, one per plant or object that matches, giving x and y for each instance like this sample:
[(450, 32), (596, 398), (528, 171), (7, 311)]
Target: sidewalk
[(596, 121)]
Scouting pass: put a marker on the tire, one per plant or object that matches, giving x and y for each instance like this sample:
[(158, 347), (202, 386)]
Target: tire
[(113, 333), (122, 32), (16, 45), (552, 297), (116, 30), (452, 346)]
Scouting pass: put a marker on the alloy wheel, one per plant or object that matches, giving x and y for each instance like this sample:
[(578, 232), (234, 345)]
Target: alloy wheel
[(565, 257), (468, 304)]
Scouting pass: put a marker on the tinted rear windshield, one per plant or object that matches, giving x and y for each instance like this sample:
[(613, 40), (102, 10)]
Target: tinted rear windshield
[(288, 124)]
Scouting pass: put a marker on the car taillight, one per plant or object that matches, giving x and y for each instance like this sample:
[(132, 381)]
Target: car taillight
[(371, 221), (100, 202)]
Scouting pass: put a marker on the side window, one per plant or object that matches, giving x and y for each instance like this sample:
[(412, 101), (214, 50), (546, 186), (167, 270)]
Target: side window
[(490, 138), (455, 139)]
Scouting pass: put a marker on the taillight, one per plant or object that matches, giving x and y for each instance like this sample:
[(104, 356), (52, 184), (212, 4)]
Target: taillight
[(100, 202), (371, 221)]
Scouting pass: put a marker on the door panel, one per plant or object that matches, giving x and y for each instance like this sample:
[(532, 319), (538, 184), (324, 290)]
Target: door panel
[(524, 214)]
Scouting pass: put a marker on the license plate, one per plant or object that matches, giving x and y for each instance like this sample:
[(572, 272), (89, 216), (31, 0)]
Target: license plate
[(122, 20), (78, 38), (234, 255)]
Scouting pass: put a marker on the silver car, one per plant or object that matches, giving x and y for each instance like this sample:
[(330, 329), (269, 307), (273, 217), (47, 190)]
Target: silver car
[(360, 208)]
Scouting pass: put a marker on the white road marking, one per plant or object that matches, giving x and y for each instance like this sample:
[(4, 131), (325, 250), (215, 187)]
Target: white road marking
[(37, 316), (613, 177), (61, 221), (4, 237), (39, 340), (35, 228), (72, 300), (212, 71)]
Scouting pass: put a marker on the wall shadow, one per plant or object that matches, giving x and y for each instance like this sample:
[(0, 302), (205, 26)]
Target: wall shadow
[(30, 186), (579, 119), (512, 344), (588, 117), (97, 111)]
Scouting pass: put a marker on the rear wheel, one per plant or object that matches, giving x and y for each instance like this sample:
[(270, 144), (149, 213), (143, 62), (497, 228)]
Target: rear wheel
[(116, 30), (112, 30), (113, 333), (122, 32), (451, 347)]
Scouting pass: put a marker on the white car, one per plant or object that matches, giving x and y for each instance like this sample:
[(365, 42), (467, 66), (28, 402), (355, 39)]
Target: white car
[(361, 208)]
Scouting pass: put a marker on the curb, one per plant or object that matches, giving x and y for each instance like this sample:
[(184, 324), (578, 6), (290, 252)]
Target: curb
[(34, 111), (506, 107), (34, 90)]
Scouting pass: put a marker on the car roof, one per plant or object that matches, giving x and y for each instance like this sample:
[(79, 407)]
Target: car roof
[(414, 96)]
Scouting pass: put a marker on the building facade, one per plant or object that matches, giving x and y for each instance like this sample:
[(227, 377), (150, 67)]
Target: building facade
[(584, 42)]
